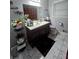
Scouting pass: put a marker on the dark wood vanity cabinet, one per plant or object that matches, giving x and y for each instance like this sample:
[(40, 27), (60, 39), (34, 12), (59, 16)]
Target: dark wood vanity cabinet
[(33, 35)]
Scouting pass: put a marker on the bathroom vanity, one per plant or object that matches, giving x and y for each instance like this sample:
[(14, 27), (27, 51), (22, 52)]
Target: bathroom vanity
[(38, 30)]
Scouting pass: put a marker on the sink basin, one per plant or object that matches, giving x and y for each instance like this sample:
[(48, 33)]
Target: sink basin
[(36, 24)]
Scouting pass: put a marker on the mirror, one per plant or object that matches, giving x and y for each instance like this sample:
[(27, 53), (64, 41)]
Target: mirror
[(35, 13), (31, 11)]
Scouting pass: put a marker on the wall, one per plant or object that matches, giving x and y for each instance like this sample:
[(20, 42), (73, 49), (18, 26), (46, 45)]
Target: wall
[(43, 10), (58, 10)]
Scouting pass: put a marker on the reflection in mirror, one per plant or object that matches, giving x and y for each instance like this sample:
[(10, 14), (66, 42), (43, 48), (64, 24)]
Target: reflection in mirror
[(31, 11), (35, 13)]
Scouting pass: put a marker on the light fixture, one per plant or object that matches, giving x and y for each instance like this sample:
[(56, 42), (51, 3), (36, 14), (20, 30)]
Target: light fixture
[(35, 0), (34, 3)]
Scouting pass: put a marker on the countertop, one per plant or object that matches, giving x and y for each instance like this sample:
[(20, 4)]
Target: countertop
[(36, 24)]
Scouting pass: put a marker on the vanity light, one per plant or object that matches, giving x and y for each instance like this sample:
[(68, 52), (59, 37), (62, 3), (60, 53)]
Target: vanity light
[(34, 3)]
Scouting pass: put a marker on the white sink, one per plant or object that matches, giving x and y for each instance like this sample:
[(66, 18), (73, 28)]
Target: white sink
[(36, 24)]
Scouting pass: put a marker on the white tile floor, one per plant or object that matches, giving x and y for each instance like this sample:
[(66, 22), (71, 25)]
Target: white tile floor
[(58, 50)]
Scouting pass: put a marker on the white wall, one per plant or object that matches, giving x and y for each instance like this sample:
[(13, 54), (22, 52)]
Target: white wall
[(58, 10), (42, 12)]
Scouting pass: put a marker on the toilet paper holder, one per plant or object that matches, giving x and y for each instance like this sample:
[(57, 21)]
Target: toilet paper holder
[(61, 24)]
